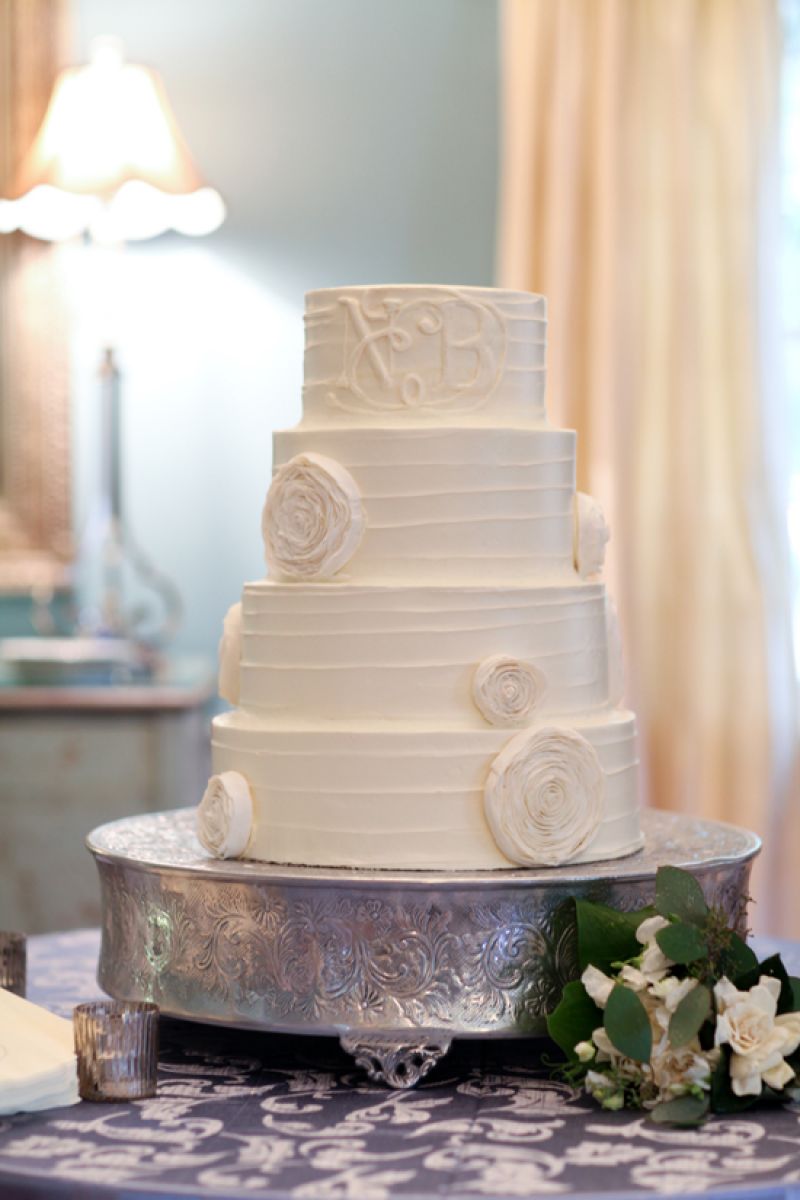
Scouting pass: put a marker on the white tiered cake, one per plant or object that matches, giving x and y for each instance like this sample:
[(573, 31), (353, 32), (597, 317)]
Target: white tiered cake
[(429, 677)]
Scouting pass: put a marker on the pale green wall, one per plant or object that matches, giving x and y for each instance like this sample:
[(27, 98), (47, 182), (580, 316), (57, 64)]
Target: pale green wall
[(355, 141)]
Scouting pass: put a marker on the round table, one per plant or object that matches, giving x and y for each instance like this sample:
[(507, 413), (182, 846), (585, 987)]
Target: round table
[(242, 1114)]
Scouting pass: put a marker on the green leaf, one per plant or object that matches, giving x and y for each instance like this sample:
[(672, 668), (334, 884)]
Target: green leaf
[(737, 959), (693, 1010), (773, 967), (627, 1024), (678, 894), (574, 1020), (683, 1110), (794, 984), (682, 943), (605, 936)]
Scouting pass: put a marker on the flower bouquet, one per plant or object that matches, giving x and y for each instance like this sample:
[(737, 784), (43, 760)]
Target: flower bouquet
[(674, 1013)]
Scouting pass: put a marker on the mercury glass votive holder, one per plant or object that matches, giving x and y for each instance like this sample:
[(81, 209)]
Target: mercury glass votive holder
[(13, 961), (116, 1042)]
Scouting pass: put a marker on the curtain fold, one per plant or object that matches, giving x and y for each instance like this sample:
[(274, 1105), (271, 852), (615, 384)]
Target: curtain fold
[(639, 193)]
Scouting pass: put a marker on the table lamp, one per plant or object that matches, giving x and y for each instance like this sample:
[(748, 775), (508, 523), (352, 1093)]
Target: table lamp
[(109, 161)]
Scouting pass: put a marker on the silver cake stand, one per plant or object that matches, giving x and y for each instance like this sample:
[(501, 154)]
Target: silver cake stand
[(394, 963)]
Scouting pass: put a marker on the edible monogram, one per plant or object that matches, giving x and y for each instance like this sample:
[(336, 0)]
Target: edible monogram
[(421, 353)]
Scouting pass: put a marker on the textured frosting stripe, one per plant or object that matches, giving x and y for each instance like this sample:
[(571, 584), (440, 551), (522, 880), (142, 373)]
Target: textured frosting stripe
[(448, 505), (403, 798), (341, 651), (392, 354)]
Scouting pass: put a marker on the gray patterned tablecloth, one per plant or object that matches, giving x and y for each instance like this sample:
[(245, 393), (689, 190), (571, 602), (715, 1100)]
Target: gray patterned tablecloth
[(239, 1114)]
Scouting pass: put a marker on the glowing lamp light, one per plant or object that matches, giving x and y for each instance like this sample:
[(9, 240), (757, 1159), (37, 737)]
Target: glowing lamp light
[(109, 159)]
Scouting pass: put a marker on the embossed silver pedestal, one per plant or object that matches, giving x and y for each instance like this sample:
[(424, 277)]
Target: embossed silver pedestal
[(395, 964)]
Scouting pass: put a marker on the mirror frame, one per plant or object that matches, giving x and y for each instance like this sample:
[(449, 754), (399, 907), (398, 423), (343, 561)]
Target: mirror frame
[(35, 498)]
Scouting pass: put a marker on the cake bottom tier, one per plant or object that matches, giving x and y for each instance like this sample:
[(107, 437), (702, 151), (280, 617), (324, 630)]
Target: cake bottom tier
[(402, 798)]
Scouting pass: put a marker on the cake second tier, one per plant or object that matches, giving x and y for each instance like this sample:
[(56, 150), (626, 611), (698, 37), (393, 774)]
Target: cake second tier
[(447, 505)]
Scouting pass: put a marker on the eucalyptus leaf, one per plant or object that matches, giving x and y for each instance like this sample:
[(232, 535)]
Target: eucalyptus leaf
[(606, 936), (692, 1012), (682, 943), (678, 894), (627, 1024), (683, 1110), (574, 1020)]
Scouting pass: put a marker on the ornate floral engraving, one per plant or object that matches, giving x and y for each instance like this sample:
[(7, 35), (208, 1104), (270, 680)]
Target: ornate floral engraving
[(544, 797), (399, 1063), (275, 949), (424, 352), (225, 815), (313, 518), (506, 690), (591, 536), (230, 654)]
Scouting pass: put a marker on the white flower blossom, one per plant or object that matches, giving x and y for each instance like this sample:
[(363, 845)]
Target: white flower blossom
[(647, 929), (598, 985), (633, 978), (585, 1052), (759, 1039), (682, 1069), (653, 962)]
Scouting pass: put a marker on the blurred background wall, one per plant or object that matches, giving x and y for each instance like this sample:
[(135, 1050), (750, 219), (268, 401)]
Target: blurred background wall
[(353, 143)]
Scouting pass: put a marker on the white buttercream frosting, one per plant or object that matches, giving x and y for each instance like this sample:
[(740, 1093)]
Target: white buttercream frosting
[(313, 518), (591, 535), (225, 815), (544, 797), (616, 665), (230, 654), (456, 505), (506, 691), (401, 794), (369, 652), (383, 663), (399, 353)]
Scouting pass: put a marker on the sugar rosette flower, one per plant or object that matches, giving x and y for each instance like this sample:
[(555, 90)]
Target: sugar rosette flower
[(230, 654), (591, 535), (313, 518), (544, 797), (225, 815), (507, 691), (759, 1039)]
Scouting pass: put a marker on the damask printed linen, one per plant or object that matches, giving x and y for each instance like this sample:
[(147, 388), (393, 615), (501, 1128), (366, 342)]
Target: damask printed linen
[(243, 1114)]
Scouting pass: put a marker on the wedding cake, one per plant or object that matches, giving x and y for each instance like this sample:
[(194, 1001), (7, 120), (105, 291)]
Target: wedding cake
[(429, 677)]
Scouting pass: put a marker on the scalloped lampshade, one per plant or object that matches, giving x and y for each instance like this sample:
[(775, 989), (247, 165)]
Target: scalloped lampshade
[(109, 158)]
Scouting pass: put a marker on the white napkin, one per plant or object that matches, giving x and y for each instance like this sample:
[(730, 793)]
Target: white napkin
[(38, 1069)]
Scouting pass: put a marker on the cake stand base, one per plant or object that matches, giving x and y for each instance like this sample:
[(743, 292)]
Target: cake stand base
[(394, 963)]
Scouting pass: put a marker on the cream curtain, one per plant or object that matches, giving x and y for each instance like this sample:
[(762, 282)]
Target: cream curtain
[(638, 193)]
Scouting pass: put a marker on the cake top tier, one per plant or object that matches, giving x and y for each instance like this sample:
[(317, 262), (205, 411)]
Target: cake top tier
[(424, 354)]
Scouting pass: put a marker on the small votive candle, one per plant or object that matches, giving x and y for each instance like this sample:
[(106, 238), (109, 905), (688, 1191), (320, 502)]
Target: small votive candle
[(13, 962), (116, 1042)]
